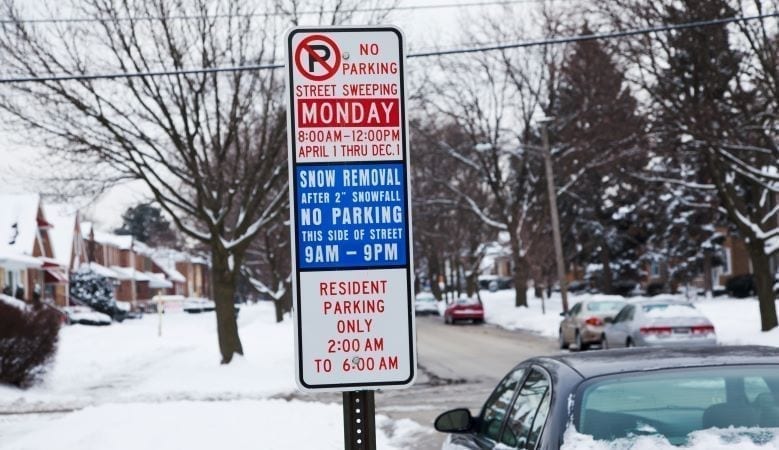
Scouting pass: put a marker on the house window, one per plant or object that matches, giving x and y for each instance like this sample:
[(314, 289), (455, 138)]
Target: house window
[(724, 257), (654, 268)]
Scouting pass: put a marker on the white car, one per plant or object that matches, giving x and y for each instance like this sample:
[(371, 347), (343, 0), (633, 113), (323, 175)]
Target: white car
[(198, 305), (426, 304)]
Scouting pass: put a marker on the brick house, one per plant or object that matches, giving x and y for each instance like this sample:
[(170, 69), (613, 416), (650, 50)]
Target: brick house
[(29, 269)]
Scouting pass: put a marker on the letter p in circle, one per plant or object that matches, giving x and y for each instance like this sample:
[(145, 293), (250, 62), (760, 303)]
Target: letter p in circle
[(317, 57)]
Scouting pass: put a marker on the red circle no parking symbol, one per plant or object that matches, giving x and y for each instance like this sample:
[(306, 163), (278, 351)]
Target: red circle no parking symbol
[(317, 57)]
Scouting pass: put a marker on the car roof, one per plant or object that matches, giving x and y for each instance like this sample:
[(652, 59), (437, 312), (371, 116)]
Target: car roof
[(660, 301), (597, 363)]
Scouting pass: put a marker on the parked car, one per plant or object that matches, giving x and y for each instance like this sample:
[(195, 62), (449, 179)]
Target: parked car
[(464, 308), (663, 323), (85, 315), (582, 326), (198, 305), (660, 392), (425, 303), (495, 283)]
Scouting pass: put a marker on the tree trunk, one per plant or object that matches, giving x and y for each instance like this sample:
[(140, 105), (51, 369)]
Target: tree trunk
[(761, 265), (708, 284), (433, 271), (520, 279), (224, 292), (472, 283), (606, 276), (283, 305)]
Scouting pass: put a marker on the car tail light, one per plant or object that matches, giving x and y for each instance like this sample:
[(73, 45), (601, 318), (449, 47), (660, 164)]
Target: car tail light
[(702, 329), (656, 330), (594, 321)]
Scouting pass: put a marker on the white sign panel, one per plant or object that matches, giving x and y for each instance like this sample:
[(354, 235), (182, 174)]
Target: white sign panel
[(350, 209)]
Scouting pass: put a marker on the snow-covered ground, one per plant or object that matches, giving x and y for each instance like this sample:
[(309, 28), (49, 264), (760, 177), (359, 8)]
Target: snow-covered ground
[(124, 387), (736, 321)]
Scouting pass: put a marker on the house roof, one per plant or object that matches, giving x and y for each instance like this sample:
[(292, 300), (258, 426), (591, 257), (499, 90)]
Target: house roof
[(63, 220), (122, 242), (18, 224)]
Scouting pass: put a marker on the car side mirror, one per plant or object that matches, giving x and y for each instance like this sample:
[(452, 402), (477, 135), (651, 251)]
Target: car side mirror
[(608, 320), (455, 421), (563, 314)]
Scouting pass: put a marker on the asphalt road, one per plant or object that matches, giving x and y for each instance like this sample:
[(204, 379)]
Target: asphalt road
[(459, 365)]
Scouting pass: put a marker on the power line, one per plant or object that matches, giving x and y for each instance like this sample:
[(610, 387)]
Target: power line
[(595, 36), (8, 21), (525, 44)]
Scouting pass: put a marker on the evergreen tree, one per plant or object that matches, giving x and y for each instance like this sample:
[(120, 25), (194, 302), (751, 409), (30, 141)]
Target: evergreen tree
[(596, 138), (146, 223)]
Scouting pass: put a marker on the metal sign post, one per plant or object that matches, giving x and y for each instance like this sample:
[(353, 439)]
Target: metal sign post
[(359, 420), (350, 217)]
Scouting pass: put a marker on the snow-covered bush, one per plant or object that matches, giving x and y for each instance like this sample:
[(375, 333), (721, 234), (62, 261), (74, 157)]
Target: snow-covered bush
[(93, 290), (28, 340)]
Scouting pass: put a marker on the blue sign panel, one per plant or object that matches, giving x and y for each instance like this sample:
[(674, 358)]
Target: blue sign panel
[(351, 215)]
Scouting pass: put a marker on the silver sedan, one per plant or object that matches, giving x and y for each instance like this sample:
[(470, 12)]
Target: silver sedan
[(658, 323)]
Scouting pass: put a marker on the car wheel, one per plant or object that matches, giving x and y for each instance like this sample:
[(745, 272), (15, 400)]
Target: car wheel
[(580, 345), (629, 343), (447, 320), (478, 321), (561, 339), (604, 344)]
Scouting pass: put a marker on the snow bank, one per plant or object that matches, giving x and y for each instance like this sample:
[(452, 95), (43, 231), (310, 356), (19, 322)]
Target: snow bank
[(129, 388), (130, 362), (237, 425)]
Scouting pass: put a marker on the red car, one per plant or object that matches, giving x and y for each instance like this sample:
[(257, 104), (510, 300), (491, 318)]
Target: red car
[(464, 309)]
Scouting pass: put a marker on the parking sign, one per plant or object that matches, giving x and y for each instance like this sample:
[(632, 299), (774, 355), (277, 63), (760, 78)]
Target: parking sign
[(350, 208)]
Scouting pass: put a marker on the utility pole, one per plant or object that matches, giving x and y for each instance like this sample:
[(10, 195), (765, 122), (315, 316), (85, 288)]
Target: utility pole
[(558, 243)]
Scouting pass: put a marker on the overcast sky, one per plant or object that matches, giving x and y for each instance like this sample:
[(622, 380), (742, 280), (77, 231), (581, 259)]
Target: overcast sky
[(24, 168)]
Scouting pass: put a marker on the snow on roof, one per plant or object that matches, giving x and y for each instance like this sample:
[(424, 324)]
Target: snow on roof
[(63, 220), (158, 281), (15, 260), (103, 270), (170, 256), (166, 259), (127, 273), (173, 274), (122, 242), (18, 223)]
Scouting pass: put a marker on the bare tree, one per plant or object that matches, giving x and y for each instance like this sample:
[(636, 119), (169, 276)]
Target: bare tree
[(210, 147), (446, 229), (311, 12), (476, 95)]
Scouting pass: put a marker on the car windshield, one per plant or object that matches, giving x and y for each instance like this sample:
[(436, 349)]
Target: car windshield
[(675, 403), (603, 307), (670, 310)]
